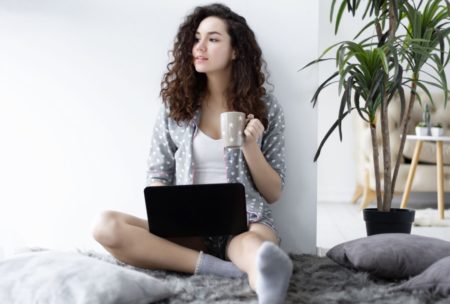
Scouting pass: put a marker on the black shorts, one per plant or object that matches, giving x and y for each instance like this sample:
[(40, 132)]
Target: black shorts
[(217, 246)]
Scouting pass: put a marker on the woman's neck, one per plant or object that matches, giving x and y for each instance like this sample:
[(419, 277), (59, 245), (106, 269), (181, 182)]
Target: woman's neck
[(217, 87)]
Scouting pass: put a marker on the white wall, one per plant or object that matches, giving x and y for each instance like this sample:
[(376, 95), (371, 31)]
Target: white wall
[(79, 86), (336, 169)]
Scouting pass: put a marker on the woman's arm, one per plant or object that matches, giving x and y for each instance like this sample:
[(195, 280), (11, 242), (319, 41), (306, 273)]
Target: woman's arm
[(267, 180), (161, 160)]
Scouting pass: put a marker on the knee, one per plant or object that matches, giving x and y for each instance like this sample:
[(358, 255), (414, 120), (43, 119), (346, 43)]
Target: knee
[(251, 241), (244, 247), (106, 229)]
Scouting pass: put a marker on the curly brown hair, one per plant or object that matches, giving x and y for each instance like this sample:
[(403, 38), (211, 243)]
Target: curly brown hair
[(183, 88)]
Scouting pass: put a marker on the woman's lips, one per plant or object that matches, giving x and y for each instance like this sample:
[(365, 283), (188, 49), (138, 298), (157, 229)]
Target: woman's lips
[(200, 59)]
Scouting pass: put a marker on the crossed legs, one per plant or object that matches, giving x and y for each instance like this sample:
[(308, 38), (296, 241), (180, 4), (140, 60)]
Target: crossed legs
[(255, 252)]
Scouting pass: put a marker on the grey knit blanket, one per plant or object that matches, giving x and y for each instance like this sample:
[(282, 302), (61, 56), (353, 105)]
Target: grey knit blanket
[(315, 280)]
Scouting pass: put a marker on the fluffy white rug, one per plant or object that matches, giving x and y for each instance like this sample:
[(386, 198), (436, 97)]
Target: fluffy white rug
[(430, 218)]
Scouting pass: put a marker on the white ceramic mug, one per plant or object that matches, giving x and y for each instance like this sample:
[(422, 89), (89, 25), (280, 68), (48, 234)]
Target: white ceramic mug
[(232, 128)]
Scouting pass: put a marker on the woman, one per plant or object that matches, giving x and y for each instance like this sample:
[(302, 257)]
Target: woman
[(217, 67)]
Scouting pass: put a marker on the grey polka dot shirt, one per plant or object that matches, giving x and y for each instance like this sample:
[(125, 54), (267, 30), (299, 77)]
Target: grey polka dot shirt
[(171, 161)]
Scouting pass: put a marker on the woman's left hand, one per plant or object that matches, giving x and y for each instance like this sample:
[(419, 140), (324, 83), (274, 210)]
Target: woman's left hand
[(253, 130)]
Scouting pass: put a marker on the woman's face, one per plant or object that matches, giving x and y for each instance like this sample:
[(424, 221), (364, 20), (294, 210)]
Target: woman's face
[(212, 49)]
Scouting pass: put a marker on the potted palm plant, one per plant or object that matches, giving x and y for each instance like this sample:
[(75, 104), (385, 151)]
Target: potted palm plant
[(401, 41)]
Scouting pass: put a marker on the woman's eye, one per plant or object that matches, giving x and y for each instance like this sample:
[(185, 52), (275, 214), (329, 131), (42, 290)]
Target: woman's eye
[(213, 40)]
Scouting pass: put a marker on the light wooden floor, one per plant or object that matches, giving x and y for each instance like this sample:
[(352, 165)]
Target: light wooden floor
[(339, 222)]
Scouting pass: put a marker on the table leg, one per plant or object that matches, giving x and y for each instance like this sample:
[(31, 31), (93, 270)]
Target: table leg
[(440, 178), (411, 173)]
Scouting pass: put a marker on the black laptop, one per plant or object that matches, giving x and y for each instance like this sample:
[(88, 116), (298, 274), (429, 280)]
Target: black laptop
[(196, 210)]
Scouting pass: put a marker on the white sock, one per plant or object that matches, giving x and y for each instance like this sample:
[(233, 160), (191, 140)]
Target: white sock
[(274, 273), (208, 264)]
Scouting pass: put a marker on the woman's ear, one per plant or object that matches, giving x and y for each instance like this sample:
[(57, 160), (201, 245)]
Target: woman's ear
[(234, 55)]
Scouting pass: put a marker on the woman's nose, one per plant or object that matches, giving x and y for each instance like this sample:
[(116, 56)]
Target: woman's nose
[(201, 46)]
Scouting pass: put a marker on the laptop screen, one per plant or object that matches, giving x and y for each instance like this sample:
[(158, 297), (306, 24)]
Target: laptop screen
[(196, 210)]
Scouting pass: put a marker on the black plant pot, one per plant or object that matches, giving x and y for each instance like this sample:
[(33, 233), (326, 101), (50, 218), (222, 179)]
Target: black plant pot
[(395, 221)]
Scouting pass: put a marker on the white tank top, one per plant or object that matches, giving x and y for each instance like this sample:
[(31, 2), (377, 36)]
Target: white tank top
[(209, 162)]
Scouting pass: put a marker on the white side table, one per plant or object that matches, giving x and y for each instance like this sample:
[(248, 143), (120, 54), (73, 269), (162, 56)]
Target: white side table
[(439, 140)]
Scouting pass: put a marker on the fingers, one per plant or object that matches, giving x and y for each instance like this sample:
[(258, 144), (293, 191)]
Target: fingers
[(254, 128), (249, 117)]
